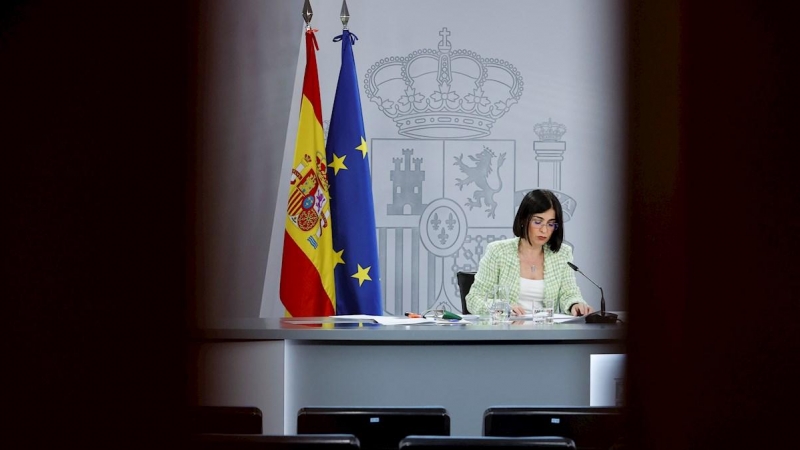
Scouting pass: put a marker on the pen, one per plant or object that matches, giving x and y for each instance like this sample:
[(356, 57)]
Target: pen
[(411, 315)]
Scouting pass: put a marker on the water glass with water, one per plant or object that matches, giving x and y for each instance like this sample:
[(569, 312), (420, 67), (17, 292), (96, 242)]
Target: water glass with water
[(543, 315), (498, 304)]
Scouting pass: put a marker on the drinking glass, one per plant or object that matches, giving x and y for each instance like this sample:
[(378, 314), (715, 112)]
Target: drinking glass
[(498, 304), (543, 315)]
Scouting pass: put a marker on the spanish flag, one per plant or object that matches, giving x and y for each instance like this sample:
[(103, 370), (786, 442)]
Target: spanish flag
[(307, 286)]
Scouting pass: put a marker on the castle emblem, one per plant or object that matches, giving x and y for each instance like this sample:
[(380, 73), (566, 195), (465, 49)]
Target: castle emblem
[(406, 185), (443, 93)]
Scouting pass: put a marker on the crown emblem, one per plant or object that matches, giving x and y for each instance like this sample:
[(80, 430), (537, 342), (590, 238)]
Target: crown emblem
[(444, 93), (549, 131)]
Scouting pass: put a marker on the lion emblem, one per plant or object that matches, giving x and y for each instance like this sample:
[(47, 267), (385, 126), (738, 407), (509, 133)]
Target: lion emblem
[(479, 174)]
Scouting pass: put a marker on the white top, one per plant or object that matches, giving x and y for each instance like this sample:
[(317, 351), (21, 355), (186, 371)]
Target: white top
[(531, 293)]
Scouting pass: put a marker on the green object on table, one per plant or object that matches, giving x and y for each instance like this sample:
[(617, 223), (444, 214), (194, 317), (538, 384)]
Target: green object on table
[(449, 315)]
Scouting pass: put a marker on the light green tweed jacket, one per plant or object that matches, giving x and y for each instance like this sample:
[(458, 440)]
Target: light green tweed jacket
[(500, 265)]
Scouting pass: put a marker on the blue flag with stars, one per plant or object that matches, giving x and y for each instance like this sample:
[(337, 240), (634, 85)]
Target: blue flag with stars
[(355, 246)]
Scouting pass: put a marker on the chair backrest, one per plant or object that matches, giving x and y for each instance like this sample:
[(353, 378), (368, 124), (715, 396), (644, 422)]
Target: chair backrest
[(590, 427), (225, 419), (274, 442), (376, 428), (465, 280), (486, 443)]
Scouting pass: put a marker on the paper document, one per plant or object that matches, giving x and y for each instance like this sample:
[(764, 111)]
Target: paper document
[(452, 321), (389, 320), (556, 317)]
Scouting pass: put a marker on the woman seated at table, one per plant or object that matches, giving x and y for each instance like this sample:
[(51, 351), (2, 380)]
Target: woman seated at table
[(533, 265)]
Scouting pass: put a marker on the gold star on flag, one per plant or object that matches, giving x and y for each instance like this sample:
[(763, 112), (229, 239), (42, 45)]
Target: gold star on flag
[(362, 274), (337, 258), (337, 163), (363, 147)]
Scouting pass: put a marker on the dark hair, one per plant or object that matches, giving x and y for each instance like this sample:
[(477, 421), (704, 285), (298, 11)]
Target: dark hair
[(535, 202)]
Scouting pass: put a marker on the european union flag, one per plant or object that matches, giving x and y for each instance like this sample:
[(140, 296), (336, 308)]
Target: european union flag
[(355, 246)]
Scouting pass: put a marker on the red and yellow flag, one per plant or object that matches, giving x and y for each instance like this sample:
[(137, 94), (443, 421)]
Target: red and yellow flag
[(307, 286)]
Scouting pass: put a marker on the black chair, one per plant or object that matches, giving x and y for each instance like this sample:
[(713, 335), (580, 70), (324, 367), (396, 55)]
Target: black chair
[(465, 280), (485, 443), (225, 419), (376, 428), (274, 442), (590, 427)]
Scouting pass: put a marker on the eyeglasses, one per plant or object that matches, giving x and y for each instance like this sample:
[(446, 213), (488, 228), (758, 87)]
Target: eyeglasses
[(550, 226)]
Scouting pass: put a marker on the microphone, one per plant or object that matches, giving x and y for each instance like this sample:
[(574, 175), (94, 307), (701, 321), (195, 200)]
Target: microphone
[(598, 316)]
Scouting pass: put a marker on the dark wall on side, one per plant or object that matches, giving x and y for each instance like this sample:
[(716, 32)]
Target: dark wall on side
[(140, 145), (712, 226), (95, 151)]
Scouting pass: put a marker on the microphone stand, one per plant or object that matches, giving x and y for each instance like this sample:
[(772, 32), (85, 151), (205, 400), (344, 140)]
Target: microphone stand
[(601, 316), (598, 316)]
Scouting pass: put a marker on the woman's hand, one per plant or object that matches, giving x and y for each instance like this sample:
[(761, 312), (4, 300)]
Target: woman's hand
[(517, 310), (581, 309)]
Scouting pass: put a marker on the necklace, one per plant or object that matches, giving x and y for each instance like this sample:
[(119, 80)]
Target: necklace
[(528, 258)]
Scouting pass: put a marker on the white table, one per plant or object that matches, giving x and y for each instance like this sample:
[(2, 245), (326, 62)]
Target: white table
[(280, 367)]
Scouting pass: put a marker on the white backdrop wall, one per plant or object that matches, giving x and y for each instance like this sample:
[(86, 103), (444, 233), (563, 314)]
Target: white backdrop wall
[(247, 54), (553, 117)]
